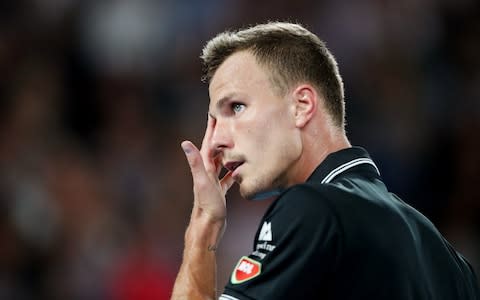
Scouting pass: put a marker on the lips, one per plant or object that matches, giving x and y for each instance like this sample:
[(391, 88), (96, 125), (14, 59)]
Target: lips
[(232, 165)]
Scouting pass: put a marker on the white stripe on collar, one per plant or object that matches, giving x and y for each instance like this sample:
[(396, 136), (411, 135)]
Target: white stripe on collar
[(227, 297), (348, 165)]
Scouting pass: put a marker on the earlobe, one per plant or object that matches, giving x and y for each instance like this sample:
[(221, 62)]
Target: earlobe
[(306, 101)]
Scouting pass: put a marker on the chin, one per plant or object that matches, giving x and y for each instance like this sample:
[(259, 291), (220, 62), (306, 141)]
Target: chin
[(247, 192), (250, 191)]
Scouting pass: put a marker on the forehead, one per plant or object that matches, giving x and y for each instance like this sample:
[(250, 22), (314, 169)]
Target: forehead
[(239, 73)]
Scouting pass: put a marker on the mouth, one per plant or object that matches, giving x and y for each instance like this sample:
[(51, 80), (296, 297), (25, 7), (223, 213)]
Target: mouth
[(233, 165)]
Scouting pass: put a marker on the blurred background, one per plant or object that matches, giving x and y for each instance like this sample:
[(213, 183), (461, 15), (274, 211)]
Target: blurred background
[(96, 96)]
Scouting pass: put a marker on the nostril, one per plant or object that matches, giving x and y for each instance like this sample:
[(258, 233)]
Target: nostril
[(219, 146)]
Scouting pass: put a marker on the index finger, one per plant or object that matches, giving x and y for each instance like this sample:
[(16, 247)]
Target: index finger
[(206, 150)]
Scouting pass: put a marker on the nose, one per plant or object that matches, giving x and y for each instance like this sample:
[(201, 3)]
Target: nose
[(221, 136)]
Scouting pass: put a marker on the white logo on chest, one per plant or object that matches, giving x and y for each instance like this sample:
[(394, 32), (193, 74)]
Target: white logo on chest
[(266, 232)]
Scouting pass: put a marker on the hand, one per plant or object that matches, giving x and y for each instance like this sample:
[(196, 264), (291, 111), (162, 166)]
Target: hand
[(197, 276), (209, 190)]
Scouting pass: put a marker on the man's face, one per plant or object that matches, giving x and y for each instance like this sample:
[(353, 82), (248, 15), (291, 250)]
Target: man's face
[(254, 128)]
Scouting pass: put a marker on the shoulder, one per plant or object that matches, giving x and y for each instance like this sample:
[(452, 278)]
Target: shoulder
[(309, 208), (344, 205), (308, 198)]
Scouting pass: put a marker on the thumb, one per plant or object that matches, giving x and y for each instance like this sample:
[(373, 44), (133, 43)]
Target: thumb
[(194, 160)]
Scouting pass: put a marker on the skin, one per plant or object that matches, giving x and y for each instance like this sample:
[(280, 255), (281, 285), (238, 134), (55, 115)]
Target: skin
[(279, 141)]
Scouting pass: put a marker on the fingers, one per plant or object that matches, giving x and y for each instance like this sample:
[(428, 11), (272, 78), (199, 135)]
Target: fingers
[(195, 161), (226, 182), (206, 150), (212, 164), (199, 173)]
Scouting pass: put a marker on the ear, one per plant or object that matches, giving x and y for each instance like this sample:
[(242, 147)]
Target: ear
[(306, 103)]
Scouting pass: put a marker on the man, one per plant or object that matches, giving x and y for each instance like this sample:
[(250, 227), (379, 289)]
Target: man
[(276, 123)]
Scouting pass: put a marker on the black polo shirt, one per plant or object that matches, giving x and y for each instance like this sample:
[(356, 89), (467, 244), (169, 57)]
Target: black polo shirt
[(342, 235)]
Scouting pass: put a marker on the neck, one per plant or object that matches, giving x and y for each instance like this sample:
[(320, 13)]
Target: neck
[(317, 147)]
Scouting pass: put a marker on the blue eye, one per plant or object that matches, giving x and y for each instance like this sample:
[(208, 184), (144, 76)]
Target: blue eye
[(237, 107)]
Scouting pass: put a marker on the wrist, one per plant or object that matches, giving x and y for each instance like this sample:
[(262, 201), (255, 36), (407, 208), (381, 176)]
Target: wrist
[(204, 232)]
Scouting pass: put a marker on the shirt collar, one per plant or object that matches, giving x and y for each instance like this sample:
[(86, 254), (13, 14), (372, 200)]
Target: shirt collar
[(333, 165), (339, 162)]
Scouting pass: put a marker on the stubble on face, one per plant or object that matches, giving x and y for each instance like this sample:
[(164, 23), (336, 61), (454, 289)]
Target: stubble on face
[(262, 134), (274, 171)]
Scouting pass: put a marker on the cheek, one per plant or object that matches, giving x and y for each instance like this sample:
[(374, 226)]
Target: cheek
[(277, 143), (264, 133), (268, 136)]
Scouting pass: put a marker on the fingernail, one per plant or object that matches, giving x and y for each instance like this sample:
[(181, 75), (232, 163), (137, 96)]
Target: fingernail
[(186, 148)]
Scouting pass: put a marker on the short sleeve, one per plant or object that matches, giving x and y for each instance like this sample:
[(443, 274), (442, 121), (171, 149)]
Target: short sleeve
[(297, 246)]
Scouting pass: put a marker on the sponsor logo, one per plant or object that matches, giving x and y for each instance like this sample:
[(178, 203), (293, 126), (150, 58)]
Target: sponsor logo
[(263, 246), (246, 269), (266, 232)]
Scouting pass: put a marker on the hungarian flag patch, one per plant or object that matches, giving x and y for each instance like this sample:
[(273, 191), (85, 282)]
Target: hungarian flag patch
[(246, 269)]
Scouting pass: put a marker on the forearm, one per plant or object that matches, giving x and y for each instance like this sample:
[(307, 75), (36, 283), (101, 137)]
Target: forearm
[(197, 276)]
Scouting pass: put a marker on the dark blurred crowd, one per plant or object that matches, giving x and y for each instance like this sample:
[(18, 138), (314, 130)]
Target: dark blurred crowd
[(96, 96)]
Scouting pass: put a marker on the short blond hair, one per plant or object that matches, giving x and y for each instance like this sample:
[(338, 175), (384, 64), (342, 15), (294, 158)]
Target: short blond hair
[(290, 53)]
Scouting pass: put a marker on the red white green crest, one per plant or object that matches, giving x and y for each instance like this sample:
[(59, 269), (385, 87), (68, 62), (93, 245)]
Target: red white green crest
[(246, 269)]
